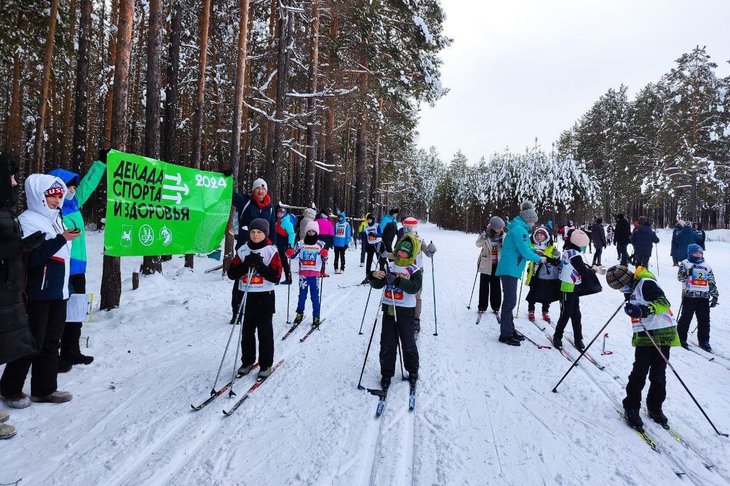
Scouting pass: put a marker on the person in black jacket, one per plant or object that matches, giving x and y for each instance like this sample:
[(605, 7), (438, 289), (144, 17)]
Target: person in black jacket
[(623, 238), (598, 236), (16, 340), (643, 239), (700, 234)]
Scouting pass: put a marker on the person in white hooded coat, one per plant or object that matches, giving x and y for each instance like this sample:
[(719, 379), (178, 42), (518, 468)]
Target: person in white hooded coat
[(46, 292)]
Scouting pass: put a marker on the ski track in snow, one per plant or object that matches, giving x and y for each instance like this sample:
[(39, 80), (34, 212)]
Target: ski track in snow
[(485, 413)]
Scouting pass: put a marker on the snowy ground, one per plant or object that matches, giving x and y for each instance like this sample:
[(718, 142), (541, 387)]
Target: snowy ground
[(485, 411)]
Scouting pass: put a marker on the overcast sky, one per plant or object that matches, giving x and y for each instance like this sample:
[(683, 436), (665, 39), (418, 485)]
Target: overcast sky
[(520, 69)]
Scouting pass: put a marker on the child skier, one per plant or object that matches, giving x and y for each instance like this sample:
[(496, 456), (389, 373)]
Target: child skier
[(401, 280), (573, 271), (490, 242), (699, 294), (542, 278), (410, 226), (373, 243), (312, 257), (47, 293), (343, 235), (285, 239), (260, 257), (651, 318)]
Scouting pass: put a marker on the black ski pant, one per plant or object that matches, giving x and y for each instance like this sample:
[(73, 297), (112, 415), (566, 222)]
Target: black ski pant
[(340, 254), (397, 326), (369, 264), (490, 292), (258, 317), (695, 306), (569, 310), (623, 253), (363, 247), (236, 298), (46, 320), (597, 256), (285, 264), (72, 330), (647, 360), (642, 260)]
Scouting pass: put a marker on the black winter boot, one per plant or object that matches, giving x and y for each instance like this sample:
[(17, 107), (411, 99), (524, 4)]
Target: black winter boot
[(658, 416), (509, 340), (634, 418), (384, 383)]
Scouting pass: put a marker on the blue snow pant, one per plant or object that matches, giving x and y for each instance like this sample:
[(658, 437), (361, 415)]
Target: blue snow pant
[(311, 284)]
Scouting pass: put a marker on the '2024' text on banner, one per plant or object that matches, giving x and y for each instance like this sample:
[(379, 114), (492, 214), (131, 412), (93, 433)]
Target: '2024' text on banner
[(156, 208)]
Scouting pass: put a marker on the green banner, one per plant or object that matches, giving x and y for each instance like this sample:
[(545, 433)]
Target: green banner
[(156, 208)]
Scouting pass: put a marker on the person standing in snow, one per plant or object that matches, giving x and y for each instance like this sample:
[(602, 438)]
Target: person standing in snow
[(699, 295), (609, 235), (389, 229), (410, 227), (343, 235), (46, 291), (260, 257), (309, 214), (598, 236), (573, 273), (249, 207), (285, 239), (651, 318), (490, 244), (697, 227), (516, 252), (16, 340), (363, 239), (542, 278), (676, 252), (79, 191), (312, 255), (400, 279), (373, 244), (623, 238), (682, 237), (643, 239)]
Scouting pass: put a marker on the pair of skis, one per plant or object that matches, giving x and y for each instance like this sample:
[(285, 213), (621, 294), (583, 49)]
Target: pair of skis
[(480, 314), (383, 396), (309, 333), (216, 393), (259, 381)]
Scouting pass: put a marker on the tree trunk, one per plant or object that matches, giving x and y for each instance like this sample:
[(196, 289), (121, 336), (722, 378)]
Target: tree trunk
[(376, 159), (311, 141), (107, 134), (285, 24), (82, 98), (236, 129), (169, 139), (361, 150), (111, 280), (66, 118), (43, 105), (153, 264), (136, 97), (15, 125)]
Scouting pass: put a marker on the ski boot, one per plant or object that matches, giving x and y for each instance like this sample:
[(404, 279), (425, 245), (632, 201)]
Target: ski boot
[(546, 317), (64, 366), (266, 373), (558, 343), (706, 346), (315, 322), (245, 369), (384, 383), (579, 345), (531, 316), (412, 378), (509, 340), (659, 417), (684, 344), (299, 318), (633, 418), (518, 335)]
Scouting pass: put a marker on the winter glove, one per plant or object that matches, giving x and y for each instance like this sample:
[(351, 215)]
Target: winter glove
[(391, 278), (32, 241), (289, 252), (713, 302), (253, 260), (636, 311), (324, 253), (431, 248)]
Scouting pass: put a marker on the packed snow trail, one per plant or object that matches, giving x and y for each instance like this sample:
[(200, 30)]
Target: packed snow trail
[(485, 412)]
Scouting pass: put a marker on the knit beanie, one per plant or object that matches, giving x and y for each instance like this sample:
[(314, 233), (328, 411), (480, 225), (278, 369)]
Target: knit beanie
[(641, 220), (393, 211), (312, 226), (496, 223), (55, 190), (618, 276), (579, 238), (259, 224), (528, 213), (310, 213), (410, 225), (259, 183)]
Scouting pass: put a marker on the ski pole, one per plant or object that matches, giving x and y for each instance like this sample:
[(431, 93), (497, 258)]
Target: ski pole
[(603, 350), (575, 363), (367, 353), (476, 274), (682, 382), (656, 248), (433, 290), (366, 310), (520, 297), (240, 330), (288, 295), (397, 336)]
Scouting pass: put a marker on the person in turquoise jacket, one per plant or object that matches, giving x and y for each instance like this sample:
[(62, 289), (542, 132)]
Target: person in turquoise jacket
[(516, 252), (79, 191), (343, 235)]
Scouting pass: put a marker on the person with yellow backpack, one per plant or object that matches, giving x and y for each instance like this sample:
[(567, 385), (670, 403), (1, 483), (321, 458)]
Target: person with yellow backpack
[(542, 278)]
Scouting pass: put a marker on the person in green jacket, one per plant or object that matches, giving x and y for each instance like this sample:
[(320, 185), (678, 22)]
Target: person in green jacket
[(79, 191)]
